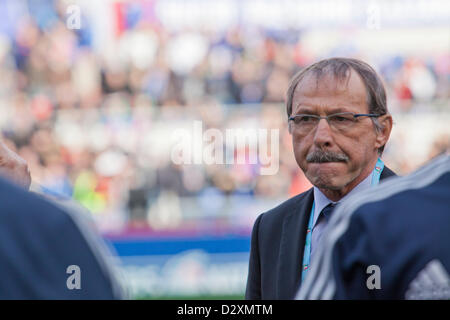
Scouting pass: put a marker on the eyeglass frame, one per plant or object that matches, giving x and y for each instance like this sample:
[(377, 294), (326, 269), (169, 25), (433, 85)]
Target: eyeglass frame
[(355, 116)]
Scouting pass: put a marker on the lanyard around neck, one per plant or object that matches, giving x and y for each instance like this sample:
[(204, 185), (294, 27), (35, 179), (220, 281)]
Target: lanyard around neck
[(376, 173)]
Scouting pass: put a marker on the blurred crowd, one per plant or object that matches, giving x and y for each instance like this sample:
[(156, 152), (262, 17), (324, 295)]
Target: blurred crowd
[(96, 125)]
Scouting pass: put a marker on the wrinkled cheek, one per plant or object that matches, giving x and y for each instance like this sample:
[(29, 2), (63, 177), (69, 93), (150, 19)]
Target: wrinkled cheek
[(356, 158), (357, 150), (300, 158), (300, 152)]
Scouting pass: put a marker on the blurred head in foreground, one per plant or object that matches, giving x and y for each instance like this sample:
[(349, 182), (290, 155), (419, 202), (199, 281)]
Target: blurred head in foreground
[(50, 251)]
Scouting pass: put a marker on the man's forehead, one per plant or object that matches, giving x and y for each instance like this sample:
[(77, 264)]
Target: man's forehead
[(328, 85)]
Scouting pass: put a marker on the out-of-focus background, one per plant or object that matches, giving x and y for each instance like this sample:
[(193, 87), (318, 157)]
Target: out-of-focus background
[(92, 91)]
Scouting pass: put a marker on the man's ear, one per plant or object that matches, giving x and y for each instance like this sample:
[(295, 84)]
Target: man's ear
[(384, 132)]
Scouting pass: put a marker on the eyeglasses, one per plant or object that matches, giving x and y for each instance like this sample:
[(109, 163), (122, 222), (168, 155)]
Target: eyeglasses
[(304, 123)]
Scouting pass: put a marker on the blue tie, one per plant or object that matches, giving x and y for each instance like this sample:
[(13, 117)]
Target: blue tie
[(324, 216), (328, 210)]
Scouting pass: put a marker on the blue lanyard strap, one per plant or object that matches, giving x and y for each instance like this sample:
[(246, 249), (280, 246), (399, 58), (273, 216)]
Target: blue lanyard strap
[(377, 172), (307, 251)]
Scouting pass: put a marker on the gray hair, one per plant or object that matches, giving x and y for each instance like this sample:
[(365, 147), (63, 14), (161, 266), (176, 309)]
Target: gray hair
[(339, 68)]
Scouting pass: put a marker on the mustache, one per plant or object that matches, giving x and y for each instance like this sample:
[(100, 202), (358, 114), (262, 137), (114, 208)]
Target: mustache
[(321, 156)]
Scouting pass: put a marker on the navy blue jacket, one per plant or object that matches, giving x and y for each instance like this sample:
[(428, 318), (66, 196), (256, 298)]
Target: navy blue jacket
[(39, 241), (402, 227)]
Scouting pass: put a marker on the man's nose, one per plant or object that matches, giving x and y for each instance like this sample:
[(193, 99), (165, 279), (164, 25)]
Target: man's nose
[(323, 136)]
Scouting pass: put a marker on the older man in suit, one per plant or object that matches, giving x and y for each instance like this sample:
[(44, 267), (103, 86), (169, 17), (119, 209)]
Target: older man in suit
[(339, 123)]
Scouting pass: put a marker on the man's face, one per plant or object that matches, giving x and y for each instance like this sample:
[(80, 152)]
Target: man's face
[(357, 144)]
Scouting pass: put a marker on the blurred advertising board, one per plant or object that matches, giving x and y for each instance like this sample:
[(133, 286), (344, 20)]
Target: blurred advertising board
[(183, 266)]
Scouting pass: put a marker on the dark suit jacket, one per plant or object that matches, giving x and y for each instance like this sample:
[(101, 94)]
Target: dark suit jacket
[(41, 246), (278, 240)]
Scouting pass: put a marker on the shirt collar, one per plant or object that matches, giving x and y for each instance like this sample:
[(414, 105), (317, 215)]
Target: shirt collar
[(321, 201)]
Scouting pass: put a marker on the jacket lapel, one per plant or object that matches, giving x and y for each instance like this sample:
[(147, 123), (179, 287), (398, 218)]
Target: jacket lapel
[(292, 245)]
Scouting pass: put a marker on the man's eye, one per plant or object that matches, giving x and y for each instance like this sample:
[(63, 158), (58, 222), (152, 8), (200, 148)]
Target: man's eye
[(303, 119), (341, 119)]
